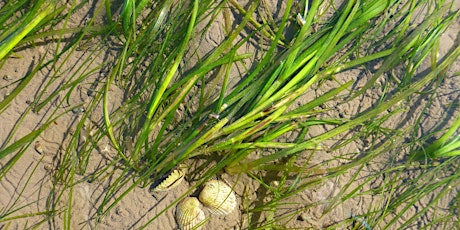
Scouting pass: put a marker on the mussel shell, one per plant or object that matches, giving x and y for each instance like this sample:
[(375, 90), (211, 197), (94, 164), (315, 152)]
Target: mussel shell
[(189, 214), (169, 181), (218, 197)]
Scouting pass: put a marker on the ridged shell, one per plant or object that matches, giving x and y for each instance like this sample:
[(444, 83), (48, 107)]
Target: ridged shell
[(218, 197), (189, 214), (171, 181)]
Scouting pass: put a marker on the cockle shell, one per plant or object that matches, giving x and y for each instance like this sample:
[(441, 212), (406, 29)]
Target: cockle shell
[(218, 197), (189, 214), (172, 180)]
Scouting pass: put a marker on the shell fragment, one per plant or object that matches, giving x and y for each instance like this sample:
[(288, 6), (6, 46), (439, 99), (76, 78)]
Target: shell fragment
[(171, 181), (38, 147)]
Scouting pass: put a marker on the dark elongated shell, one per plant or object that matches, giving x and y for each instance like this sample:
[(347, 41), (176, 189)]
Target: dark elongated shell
[(189, 214), (218, 197), (172, 180)]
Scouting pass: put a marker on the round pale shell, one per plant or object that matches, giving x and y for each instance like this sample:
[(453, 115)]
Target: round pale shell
[(218, 197), (189, 214), (171, 181)]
